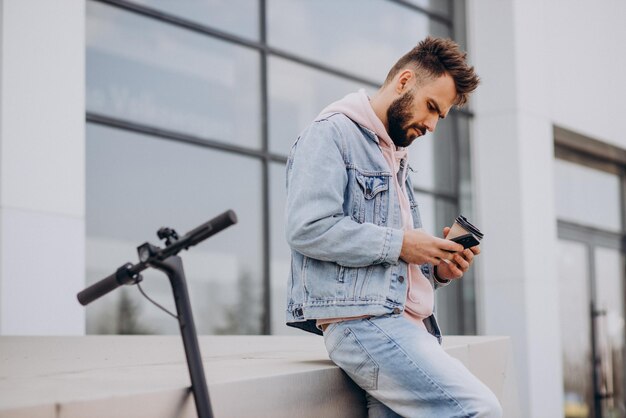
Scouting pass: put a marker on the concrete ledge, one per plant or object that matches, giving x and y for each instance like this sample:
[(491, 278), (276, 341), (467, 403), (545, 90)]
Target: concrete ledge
[(248, 376)]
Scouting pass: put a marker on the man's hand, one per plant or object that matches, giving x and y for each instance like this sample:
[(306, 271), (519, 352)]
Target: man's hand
[(419, 247), (460, 262)]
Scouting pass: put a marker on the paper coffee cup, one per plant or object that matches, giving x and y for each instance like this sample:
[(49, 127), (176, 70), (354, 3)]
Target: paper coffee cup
[(462, 226), (456, 231)]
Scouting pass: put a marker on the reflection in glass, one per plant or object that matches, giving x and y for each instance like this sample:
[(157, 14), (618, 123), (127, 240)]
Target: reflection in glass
[(426, 206), (609, 275), (221, 14), (435, 213), (575, 328), (296, 96), (587, 196), (438, 6), (434, 159), (365, 40), (146, 71), (137, 184), (464, 165)]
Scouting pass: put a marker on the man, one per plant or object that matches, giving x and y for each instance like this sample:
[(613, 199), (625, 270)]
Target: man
[(363, 272)]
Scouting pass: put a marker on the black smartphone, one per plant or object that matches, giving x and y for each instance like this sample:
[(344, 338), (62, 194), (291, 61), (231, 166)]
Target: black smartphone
[(466, 240)]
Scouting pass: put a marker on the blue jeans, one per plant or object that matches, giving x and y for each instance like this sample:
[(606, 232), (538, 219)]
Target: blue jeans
[(405, 372)]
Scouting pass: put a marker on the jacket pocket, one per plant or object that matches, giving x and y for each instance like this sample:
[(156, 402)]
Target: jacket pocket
[(325, 281), (372, 197)]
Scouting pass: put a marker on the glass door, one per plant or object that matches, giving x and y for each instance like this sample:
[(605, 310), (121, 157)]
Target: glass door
[(575, 328), (609, 318), (591, 289), (589, 198)]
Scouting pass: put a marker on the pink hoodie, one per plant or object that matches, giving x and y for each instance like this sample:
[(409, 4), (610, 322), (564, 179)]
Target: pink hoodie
[(356, 106)]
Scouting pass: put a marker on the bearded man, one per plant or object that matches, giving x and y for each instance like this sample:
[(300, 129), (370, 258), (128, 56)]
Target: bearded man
[(363, 272)]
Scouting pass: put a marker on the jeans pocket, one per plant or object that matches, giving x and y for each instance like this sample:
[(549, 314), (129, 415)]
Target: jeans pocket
[(348, 353)]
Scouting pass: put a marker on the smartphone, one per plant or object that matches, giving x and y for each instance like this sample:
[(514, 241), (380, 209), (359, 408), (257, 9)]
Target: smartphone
[(466, 240)]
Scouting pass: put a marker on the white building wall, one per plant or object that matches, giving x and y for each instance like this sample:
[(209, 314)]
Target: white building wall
[(587, 85), (42, 175), (542, 64)]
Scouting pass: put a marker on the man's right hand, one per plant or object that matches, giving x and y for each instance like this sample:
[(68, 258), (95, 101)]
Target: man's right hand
[(419, 247)]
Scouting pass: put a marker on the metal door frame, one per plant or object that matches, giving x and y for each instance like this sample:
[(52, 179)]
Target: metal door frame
[(593, 238)]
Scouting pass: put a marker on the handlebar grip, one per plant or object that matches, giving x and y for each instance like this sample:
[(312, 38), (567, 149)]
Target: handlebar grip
[(103, 286), (215, 225)]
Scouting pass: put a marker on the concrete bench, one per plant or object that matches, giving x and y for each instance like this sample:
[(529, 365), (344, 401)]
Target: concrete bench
[(248, 376)]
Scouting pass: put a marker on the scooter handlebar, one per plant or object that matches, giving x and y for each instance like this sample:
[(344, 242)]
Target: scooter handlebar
[(104, 286)]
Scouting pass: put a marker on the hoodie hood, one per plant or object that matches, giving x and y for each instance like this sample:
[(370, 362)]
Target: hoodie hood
[(358, 108)]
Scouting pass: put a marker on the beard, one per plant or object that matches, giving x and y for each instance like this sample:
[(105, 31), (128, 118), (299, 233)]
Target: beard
[(399, 118)]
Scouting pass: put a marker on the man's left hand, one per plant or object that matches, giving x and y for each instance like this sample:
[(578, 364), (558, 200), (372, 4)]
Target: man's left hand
[(460, 263)]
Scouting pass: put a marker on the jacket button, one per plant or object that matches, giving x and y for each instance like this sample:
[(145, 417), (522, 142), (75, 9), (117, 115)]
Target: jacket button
[(401, 279), (397, 310)]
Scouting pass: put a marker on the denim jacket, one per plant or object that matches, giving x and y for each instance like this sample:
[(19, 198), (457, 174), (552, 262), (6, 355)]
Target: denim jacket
[(344, 227)]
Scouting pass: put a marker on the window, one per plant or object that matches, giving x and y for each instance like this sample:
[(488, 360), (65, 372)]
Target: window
[(192, 109), (242, 20), (149, 72), (137, 184), (589, 180), (363, 40), (578, 191), (297, 94)]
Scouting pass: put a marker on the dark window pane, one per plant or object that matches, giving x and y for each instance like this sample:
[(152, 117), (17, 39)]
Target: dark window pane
[(137, 184), (153, 73), (281, 253), (609, 269), (364, 38), (464, 166), (296, 96), (240, 17), (455, 302)]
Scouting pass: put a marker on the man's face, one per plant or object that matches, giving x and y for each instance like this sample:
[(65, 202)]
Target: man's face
[(419, 109)]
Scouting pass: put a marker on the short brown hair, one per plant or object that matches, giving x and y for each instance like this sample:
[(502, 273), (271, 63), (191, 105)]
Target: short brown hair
[(433, 57)]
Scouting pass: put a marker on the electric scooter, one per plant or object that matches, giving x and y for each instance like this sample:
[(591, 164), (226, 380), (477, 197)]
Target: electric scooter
[(166, 260)]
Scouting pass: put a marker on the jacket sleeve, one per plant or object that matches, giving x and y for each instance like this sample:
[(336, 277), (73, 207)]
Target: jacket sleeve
[(316, 225)]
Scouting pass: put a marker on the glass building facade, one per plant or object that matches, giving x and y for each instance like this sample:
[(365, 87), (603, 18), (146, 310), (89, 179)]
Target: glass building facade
[(192, 107)]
